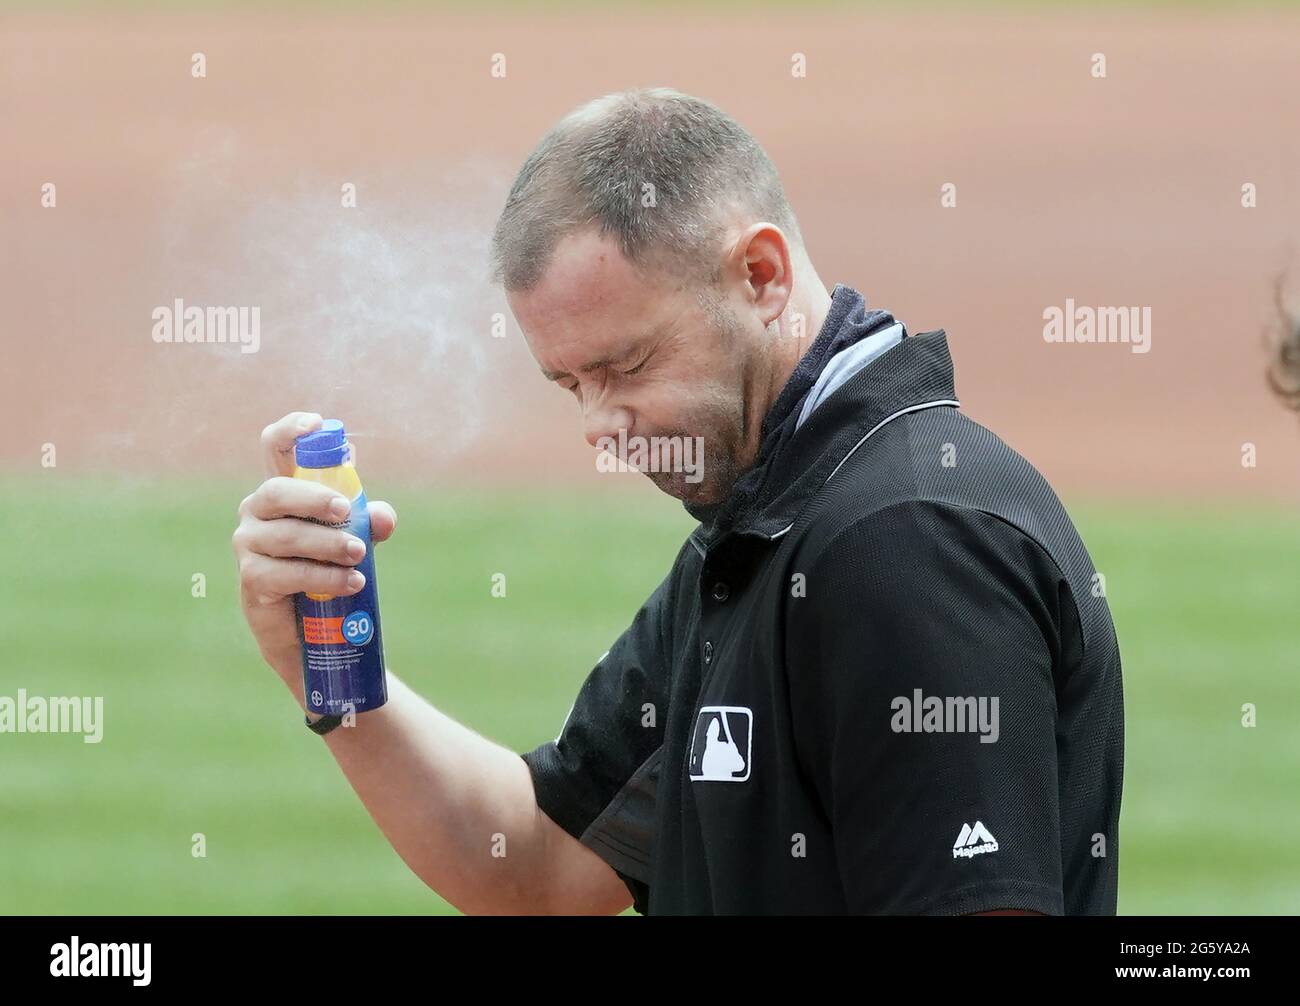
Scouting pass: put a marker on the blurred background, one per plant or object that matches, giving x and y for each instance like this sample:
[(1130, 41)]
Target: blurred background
[(341, 167)]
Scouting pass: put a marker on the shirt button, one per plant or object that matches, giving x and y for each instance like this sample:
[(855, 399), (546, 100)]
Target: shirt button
[(708, 651), (721, 591)]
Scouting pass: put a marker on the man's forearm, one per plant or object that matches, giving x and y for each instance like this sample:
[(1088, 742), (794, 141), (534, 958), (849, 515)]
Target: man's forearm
[(459, 809)]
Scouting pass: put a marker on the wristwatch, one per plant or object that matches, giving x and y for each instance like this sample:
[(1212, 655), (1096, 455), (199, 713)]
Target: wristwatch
[(323, 725)]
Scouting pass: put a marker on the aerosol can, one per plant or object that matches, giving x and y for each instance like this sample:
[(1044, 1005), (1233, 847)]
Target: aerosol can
[(342, 648)]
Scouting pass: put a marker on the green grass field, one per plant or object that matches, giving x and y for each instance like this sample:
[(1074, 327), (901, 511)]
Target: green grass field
[(200, 737)]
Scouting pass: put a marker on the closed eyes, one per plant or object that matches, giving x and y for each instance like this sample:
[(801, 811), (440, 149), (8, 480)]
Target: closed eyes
[(624, 373)]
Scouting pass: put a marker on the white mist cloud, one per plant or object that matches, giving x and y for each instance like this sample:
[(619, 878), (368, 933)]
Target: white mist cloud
[(378, 314)]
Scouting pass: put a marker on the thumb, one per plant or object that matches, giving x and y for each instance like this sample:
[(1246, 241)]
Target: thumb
[(383, 521)]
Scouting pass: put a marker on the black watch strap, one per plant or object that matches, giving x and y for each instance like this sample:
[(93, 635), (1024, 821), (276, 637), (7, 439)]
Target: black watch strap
[(323, 725)]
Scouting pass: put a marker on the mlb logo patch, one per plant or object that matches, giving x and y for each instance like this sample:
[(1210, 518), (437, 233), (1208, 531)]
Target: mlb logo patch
[(720, 747)]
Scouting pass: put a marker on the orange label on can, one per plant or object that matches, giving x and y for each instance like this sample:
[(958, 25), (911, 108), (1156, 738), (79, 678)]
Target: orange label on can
[(322, 630)]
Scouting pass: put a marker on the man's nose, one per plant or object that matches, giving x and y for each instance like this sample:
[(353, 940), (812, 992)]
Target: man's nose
[(604, 420)]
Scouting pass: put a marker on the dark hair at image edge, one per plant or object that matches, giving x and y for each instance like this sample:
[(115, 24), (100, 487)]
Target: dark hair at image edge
[(1284, 368)]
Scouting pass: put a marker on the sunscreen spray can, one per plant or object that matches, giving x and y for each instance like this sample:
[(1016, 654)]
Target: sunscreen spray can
[(342, 650)]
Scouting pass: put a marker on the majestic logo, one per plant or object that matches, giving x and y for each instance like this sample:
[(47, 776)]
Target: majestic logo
[(973, 841), (721, 746)]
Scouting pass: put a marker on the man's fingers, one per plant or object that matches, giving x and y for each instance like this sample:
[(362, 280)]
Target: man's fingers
[(269, 579), (288, 497), (299, 539), (383, 521), (278, 438)]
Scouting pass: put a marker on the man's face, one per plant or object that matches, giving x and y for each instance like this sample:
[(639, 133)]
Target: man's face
[(640, 353)]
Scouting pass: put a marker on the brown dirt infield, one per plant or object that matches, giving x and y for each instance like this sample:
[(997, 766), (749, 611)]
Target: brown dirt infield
[(226, 190)]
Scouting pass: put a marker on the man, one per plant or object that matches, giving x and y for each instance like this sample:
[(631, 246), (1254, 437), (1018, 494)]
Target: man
[(879, 677)]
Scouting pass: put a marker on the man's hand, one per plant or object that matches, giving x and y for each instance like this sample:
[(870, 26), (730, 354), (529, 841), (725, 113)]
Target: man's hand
[(281, 551)]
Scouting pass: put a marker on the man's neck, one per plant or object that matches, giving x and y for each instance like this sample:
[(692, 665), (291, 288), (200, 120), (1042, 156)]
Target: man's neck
[(800, 324), (798, 327)]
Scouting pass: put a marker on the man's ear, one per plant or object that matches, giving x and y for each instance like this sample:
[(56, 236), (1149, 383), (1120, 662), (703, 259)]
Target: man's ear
[(761, 257)]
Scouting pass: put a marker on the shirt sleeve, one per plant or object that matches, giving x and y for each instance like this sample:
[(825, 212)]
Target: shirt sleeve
[(598, 779), (921, 663)]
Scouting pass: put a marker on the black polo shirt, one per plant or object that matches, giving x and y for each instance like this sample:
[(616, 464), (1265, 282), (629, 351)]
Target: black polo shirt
[(882, 678)]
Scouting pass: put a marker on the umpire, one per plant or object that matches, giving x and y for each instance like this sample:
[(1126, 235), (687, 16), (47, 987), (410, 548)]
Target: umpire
[(881, 675)]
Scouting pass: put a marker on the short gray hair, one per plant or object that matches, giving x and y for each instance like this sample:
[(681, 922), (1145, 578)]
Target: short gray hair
[(595, 167)]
